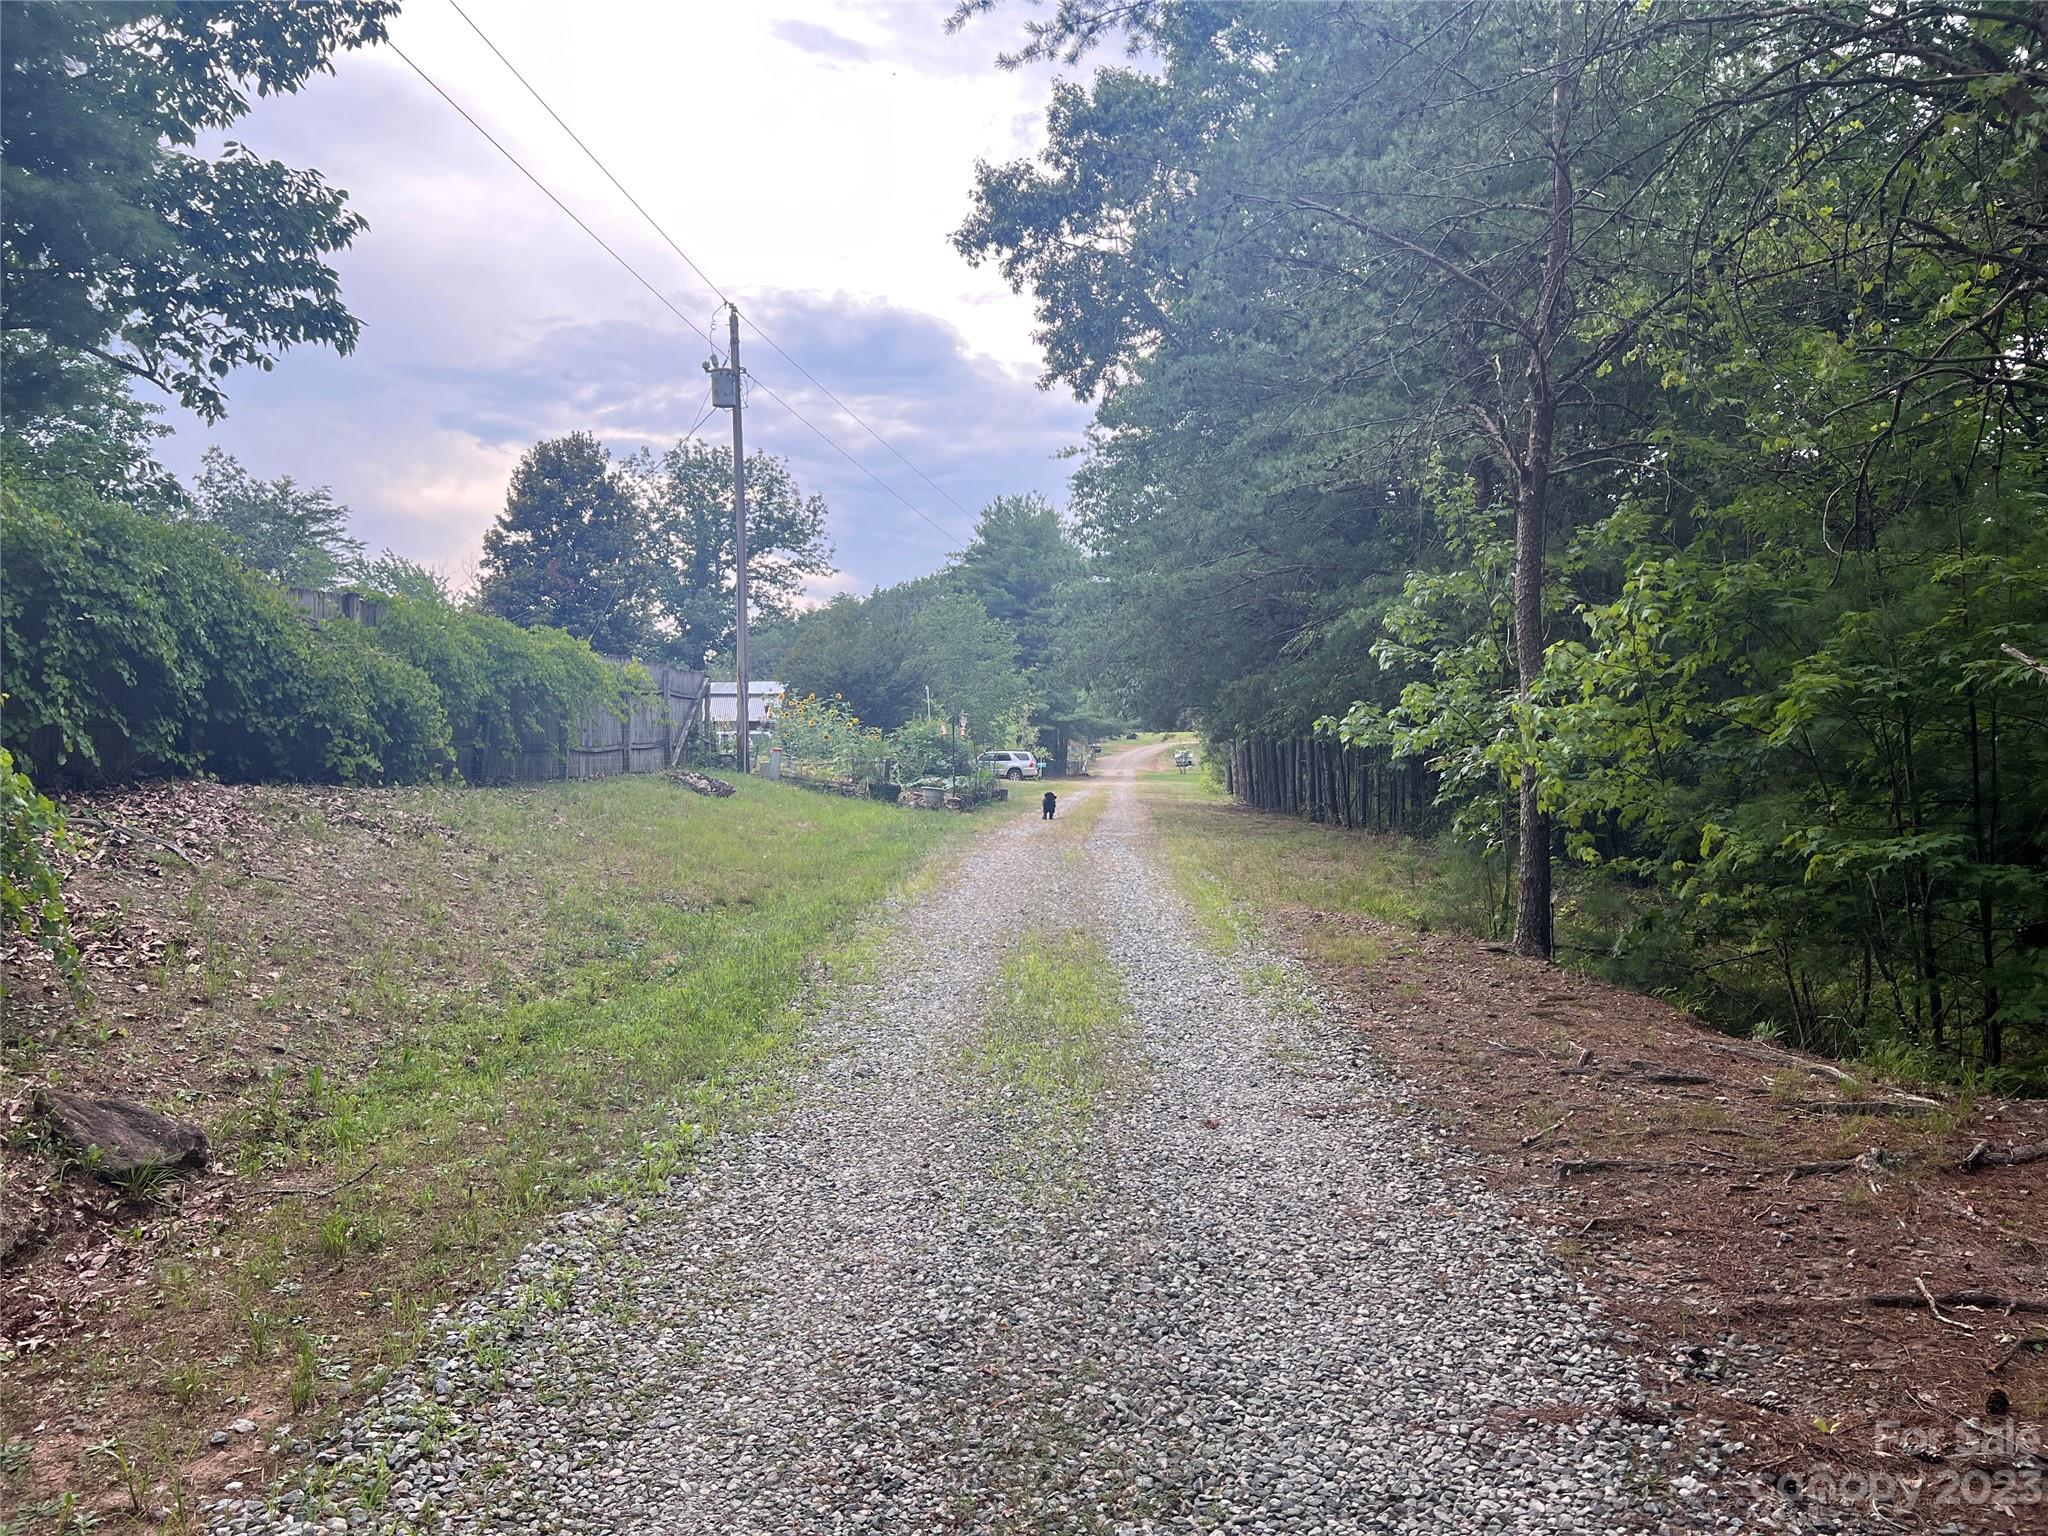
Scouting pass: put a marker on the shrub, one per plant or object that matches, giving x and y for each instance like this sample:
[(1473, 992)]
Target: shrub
[(135, 646), (96, 612), (31, 896), (504, 690), (923, 747)]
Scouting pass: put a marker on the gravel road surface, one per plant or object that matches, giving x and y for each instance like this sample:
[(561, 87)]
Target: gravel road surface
[(1255, 1293)]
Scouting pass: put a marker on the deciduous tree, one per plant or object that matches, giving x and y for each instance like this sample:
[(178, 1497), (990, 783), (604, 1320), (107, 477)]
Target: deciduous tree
[(119, 240), (686, 500)]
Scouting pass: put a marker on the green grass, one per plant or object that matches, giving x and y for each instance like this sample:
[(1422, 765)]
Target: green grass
[(1233, 863), (1079, 811), (1053, 1050), (679, 937)]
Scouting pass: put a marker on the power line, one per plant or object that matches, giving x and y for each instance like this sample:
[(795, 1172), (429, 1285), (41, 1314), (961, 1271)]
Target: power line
[(668, 239), (587, 150), (659, 296), (703, 416)]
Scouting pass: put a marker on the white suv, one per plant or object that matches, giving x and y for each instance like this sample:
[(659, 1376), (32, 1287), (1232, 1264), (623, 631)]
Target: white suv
[(1010, 765)]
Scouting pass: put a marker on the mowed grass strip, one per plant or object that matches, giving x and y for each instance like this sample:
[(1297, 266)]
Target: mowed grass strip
[(680, 934), (1054, 1049)]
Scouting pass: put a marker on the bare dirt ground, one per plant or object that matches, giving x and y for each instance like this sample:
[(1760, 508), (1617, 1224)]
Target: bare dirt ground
[(1724, 1196), (1778, 1232), (241, 948)]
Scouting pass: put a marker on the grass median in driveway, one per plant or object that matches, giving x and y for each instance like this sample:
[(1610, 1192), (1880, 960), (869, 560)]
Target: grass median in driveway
[(657, 947), (1054, 1048)]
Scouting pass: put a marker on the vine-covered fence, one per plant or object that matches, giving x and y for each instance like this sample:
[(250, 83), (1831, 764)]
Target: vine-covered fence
[(647, 740), (1322, 780), (594, 745)]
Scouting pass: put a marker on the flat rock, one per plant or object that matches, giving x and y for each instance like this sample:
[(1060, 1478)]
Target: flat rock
[(128, 1135)]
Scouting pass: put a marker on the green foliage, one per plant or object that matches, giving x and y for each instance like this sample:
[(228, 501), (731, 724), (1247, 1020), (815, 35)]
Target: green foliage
[(189, 663), (1793, 489), (505, 691), (969, 661), (864, 650), (393, 575), (31, 897), (122, 242), (826, 736), (193, 664), (382, 718), (921, 748), (297, 535), (88, 430), (686, 500), (1018, 565), (567, 551)]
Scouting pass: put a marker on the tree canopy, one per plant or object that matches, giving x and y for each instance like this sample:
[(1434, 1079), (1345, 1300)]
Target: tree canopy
[(686, 497), (294, 534), (117, 240), (1631, 412), (567, 551)]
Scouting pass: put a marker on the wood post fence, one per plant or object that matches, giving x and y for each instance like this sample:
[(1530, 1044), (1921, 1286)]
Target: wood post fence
[(1323, 780)]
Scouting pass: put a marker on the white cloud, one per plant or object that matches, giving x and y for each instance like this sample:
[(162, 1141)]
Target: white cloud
[(814, 157)]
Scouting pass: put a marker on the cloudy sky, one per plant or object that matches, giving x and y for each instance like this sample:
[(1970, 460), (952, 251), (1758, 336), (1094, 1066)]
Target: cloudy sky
[(811, 157)]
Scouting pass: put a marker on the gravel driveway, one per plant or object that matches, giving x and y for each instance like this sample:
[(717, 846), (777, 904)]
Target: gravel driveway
[(1261, 1297)]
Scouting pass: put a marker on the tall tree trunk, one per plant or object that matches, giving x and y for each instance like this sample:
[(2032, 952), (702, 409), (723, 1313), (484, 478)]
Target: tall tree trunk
[(1532, 499)]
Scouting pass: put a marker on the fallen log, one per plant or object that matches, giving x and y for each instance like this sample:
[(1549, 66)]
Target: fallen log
[(1986, 1301), (116, 1136), (1581, 1166), (1982, 1155), (701, 783)]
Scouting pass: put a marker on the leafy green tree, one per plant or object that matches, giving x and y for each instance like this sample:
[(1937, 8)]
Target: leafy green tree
[(397, 576), (296, 535), (686, 497), (865, 650), (117, 240), (569, 550), (969, 661), (89, 431), (1017, 565), (1634, 413)]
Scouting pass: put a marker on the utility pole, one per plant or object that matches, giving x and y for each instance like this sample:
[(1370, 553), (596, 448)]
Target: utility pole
[(727, 390)]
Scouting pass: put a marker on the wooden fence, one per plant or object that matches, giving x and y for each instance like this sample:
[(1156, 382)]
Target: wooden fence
[(1321, 780), (598, 745)]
